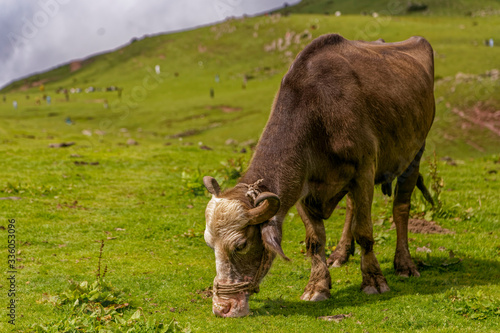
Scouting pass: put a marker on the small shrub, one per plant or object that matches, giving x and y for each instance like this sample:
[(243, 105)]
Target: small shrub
[(231, 170), (193, 182), (478, 307), (416, 7), (25, 188), (436, 185), (105, 320), (99, 307)]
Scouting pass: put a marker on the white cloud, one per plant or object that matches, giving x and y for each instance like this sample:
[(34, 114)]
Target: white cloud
[(39, 34)]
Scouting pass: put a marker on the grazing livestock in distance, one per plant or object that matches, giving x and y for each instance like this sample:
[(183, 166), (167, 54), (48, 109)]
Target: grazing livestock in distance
[(348, 115)]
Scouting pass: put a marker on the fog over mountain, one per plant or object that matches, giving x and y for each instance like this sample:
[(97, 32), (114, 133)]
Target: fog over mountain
[(36, 35)]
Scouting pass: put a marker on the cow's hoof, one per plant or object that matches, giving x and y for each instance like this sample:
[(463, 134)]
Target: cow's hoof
[(408, 272), (338, 258), (336, 263), (375, 285), (315, 296), (371, 290), (406, 269)]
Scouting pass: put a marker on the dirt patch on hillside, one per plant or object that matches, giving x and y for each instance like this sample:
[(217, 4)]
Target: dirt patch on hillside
[(189, 132), (28, 85), (170, 122), (194, 131), (481, 115), (420, 226), (224, 108), (98, 100), (75, 65)]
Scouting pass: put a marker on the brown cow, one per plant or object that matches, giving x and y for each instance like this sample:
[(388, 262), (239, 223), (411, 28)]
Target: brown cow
[(348, 115)]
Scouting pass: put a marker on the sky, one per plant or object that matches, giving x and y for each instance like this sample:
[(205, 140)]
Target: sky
[(36, 35)]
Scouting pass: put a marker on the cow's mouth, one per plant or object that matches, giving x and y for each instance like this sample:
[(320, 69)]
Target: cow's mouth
[(231, 306)]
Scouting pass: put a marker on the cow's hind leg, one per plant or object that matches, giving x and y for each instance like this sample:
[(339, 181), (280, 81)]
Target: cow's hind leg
[(362, 188), (345, 247), (318, 288), (403, 264)]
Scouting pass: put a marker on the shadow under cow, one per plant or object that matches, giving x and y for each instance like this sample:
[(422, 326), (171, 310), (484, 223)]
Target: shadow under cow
[(434, 279)]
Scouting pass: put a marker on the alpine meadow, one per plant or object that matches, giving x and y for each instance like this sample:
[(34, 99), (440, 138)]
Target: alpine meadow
[(103, 159)]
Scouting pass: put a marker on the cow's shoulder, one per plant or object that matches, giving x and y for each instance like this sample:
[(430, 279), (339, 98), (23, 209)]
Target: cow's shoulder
[(416, 47), (309, 62), (321, 43)]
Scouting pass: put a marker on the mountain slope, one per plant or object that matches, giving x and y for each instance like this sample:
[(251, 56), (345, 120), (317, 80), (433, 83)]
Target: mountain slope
[(391, 7), (249, 56)]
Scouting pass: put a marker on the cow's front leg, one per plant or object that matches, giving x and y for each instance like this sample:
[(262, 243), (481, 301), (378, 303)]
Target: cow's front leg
[(318, 288), (345, 247), (374, 281)]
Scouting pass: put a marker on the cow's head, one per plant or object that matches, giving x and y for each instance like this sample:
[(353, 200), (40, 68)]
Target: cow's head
[(244, 241)]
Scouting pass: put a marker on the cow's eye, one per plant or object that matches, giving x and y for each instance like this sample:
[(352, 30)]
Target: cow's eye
[(242, 246)]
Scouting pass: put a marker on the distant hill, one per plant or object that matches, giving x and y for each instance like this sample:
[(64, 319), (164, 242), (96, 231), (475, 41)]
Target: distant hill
[(217, 82), (397, 7), (465, 8)]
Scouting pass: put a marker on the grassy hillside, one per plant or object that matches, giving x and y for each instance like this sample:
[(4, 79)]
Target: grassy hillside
[(400, 7), (133, 179), (190, 61)]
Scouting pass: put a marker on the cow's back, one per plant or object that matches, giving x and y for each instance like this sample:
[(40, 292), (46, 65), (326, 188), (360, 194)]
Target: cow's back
[(362, 101)]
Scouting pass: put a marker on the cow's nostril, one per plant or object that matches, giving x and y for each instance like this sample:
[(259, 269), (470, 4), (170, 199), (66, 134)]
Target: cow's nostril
[(222, 310), (226, 309)]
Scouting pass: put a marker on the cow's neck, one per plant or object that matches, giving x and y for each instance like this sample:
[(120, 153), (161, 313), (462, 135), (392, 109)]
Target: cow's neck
[(281, 173)]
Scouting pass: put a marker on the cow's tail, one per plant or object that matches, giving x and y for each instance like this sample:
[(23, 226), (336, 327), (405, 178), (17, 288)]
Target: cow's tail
[(387, 189), (425, 192)]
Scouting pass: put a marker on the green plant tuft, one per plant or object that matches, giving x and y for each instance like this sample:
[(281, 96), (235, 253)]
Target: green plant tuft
[(477, 307), (100, 307)]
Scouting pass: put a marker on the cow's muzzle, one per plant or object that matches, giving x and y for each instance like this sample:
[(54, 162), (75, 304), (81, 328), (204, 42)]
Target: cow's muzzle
[(234, 306)]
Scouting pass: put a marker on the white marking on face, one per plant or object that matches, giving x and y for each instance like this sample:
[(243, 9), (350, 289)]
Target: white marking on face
[(225, 221), (209, 214)]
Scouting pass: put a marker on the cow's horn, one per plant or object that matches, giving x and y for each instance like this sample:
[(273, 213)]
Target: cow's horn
[(211, 185), (268, 208)]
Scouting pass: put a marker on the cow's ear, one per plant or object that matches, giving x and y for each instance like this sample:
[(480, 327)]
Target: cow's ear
[(271, 235), (211, 185)]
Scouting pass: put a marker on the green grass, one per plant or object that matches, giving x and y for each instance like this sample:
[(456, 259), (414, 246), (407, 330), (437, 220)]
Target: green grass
[(139, 198), (398, 7)]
